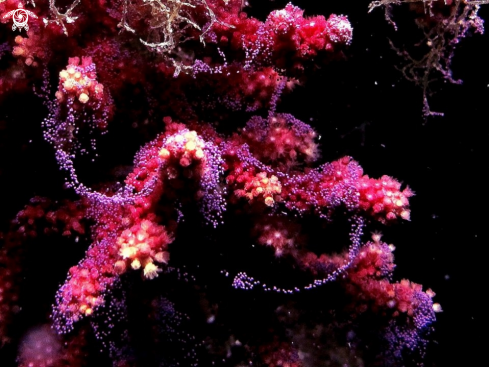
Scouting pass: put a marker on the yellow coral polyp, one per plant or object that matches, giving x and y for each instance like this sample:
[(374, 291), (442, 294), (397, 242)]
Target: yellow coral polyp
[(83, 98), (85, 82), (136, 264), (406, 214), (164, 153), (269, 201), (69, 85), (18, 51), (128, 252), (190, 146), (63, 74), (199, 153), (151, 271)]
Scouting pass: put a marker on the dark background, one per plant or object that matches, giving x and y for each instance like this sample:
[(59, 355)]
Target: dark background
[(363, 107), (373, 114)]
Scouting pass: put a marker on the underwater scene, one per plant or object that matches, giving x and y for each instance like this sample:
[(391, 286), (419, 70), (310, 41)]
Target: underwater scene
[(231, 183)]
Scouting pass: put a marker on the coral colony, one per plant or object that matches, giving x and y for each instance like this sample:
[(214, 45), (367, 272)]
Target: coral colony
[(226, 242)]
